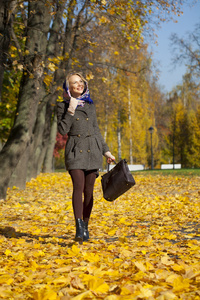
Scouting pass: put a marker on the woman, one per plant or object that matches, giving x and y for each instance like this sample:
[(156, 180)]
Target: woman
[(84, 148)]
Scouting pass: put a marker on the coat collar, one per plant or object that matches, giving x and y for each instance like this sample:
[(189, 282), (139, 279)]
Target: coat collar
[(86, 108)]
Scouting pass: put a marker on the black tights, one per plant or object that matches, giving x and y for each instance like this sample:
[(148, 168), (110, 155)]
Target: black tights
[(83, 183)]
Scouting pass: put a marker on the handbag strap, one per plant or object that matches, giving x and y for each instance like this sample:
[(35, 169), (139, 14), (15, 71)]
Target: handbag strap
[(108, 166)]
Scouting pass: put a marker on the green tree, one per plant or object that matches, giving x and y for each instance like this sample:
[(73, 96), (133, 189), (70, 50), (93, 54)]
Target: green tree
[(192, 145)]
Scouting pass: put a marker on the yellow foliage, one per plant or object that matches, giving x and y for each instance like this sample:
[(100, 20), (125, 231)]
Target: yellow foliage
[(48, 79), (145, 245), (45, 294), (103, 19), (52, 67), (98, 285), (181, 284)]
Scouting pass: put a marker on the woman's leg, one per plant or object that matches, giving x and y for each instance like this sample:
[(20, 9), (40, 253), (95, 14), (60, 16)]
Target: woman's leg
[(90, 177), (78, 180)]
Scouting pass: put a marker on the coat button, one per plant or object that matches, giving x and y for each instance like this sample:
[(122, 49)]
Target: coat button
[(81, 151), (78, 135), (77, 119), (87, 119), (88, 150)]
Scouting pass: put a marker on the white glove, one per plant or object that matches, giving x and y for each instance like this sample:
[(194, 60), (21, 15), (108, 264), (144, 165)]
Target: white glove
[(72, 106), (109, 157)]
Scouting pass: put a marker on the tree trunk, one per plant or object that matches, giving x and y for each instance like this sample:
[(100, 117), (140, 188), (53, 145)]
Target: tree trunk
[(106, 122), (45, 109), (20, 172), (48, 166), (7, 8), (32, 153), (130, 126), (41, 137), (37, 143), (119, 136), (21, 132)]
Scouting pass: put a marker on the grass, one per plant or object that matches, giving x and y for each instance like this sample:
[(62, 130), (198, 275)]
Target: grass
[(175, 172)]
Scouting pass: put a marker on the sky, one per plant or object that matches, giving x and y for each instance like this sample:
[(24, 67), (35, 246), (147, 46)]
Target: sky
[(170, 75)]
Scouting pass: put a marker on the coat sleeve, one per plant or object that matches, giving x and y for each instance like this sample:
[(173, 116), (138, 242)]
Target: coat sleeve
[(64, 119), (105, 147)]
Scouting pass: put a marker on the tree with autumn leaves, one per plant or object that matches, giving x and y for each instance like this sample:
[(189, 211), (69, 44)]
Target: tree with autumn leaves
[(185, 104), (44, 40)]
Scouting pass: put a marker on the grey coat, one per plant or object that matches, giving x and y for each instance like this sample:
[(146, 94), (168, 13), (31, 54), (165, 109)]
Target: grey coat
[(85, 144)]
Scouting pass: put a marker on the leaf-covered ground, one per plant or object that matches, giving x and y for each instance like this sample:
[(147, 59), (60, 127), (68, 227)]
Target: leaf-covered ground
[(145, 245)]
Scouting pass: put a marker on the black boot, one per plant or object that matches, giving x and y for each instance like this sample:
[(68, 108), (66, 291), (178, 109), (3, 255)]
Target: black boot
[(79, 230), (85, 231)]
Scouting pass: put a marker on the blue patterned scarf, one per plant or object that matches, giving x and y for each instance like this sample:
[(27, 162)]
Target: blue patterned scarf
[(85, 97)]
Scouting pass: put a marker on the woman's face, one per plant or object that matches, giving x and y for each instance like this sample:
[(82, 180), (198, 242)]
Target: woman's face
[(76, 86)]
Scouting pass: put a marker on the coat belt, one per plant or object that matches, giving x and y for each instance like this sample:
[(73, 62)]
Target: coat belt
[(80, 135)]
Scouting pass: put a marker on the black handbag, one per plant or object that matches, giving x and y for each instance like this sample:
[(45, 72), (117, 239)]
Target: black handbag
[(117, 181)]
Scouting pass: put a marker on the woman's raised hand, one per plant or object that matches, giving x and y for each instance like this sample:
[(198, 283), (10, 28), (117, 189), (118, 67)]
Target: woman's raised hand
[(72, 105)]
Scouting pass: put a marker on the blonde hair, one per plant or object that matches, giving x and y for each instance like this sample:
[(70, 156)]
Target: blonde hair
[(72, 74)]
